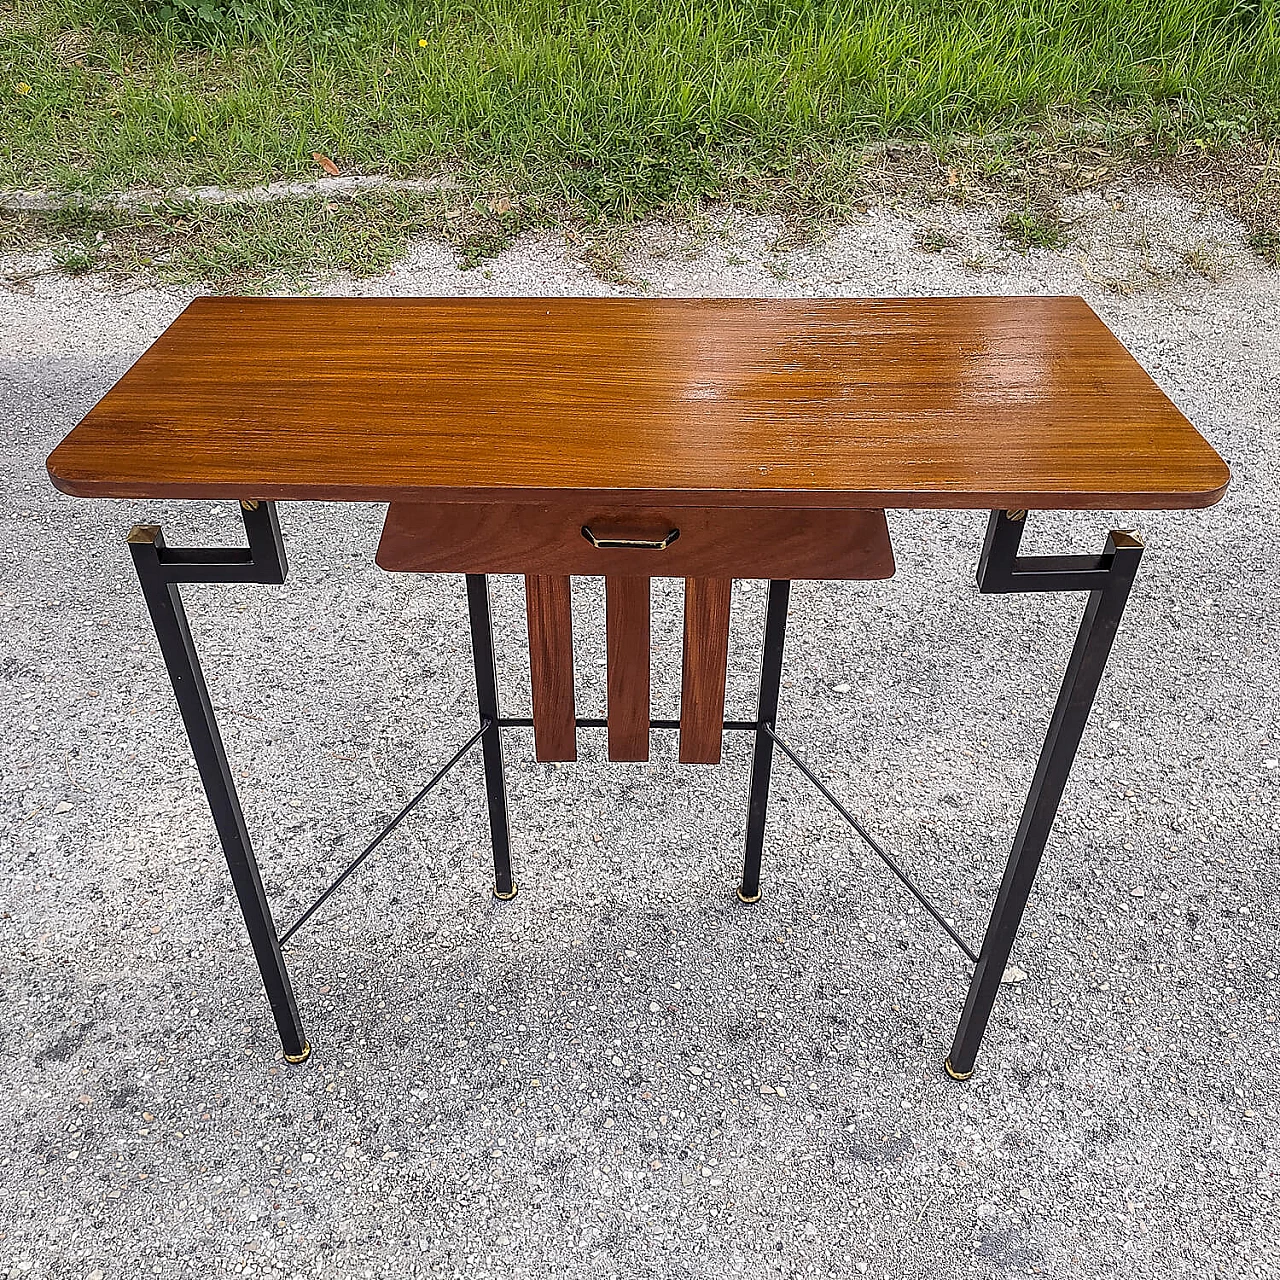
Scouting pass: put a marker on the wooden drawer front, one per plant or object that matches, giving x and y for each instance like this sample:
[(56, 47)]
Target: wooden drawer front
[(728, 542)]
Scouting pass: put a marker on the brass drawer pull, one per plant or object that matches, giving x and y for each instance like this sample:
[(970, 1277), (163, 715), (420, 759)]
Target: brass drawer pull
[(640, 544)]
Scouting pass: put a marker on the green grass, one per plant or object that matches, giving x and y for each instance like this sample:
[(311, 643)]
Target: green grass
[(244, 248), (607, 107), (935, 240), (1028, 229), (1266, 244)]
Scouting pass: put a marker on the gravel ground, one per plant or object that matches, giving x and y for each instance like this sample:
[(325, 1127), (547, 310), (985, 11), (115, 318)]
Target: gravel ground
[(623, 1072)]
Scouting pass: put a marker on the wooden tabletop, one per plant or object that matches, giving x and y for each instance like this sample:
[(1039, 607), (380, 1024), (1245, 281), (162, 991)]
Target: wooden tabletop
[(940, 402)]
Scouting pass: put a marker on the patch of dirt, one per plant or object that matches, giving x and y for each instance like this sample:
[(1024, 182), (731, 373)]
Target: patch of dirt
[(980, 199)]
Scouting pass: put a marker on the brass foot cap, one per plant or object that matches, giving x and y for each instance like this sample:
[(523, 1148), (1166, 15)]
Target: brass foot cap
[(506, 897), (742, 897), (957, 1075), (295, 1058)]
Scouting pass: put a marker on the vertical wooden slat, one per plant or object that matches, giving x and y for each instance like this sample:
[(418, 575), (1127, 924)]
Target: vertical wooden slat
[(626, 602), (706, 659), (548, 606)]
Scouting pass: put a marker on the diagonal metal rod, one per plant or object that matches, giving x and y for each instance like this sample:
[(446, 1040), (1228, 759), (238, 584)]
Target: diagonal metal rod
[(873, 845), (384, 833)]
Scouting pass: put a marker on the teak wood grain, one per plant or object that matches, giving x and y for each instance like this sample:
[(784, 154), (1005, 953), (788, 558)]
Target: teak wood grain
[(941, 402), (706, 667), (549, 610), (738, 542), (627, 657)]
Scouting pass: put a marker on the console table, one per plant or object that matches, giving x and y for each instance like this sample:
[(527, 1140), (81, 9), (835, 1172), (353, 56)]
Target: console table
[(625, 439)]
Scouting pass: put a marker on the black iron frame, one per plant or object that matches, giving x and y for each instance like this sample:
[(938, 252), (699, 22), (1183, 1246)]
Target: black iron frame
[(1001, 569)]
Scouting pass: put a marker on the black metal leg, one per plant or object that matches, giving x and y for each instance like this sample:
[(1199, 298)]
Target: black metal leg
[(504, 886), (1110, 578), (775, 630), (159, 570)]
